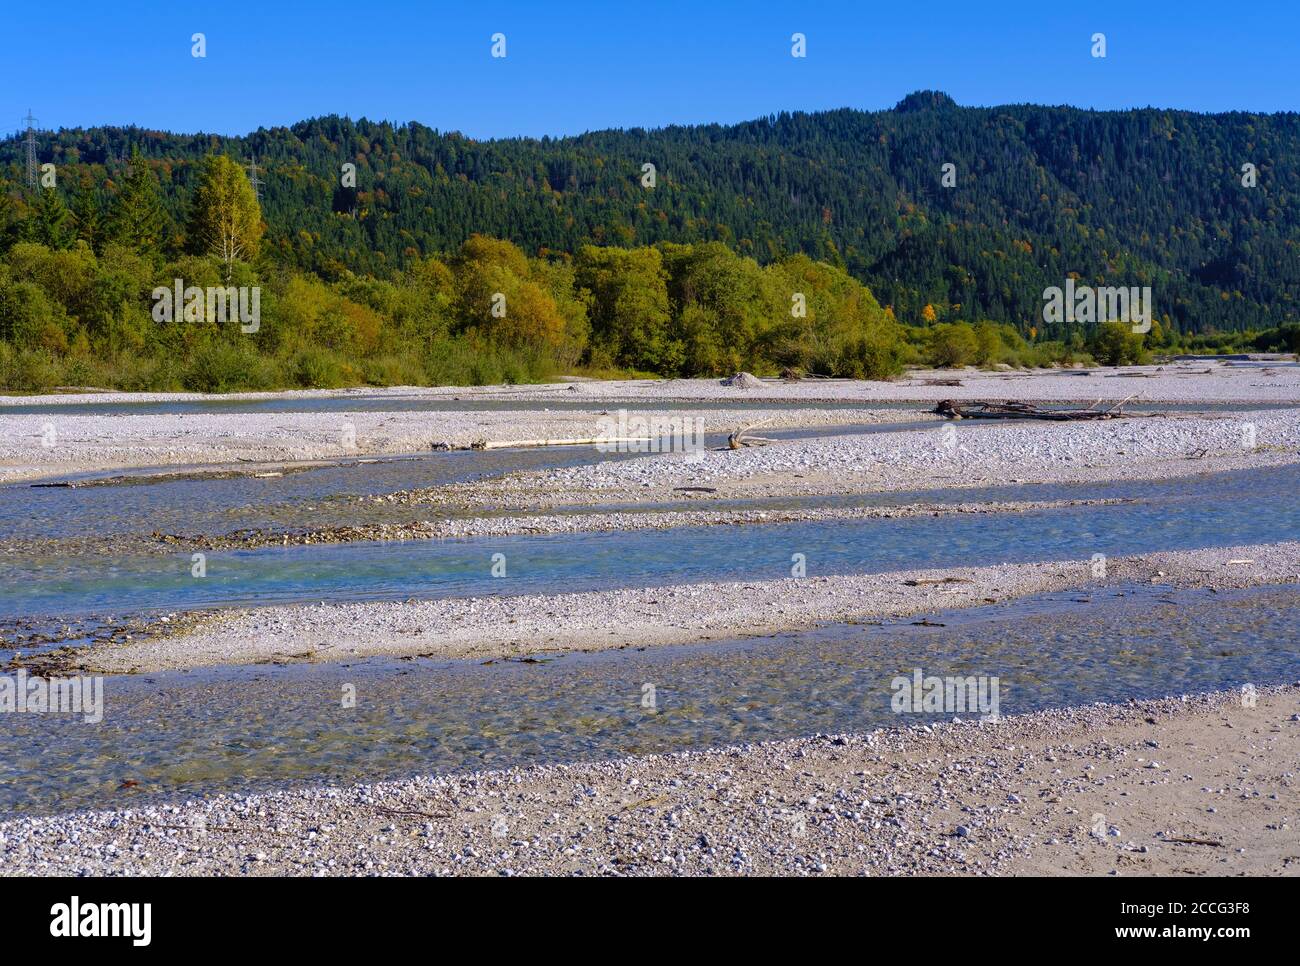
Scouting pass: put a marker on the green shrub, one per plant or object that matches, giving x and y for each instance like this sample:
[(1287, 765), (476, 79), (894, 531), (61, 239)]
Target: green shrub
[(393, 370), (221, 366), (868, 359), (952, 345), (33, 370), (317, 368), (1116, 344)]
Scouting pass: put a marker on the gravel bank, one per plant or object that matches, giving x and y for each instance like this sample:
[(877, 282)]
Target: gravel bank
[(963, 454), (1189, 785), (1181, 382), (501, 626), (83, 443)]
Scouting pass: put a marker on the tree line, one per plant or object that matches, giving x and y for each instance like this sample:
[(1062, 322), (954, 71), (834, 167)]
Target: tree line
[(841, 243), (77, 285)]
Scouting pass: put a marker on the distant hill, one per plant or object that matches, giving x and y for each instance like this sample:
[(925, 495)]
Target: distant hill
[(1142, 197)]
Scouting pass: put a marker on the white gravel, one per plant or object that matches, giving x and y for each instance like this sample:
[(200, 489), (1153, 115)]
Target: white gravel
[(1190, 381), (962, 450), (961, 454), (1021, 795), (88, 442), (84, 442)]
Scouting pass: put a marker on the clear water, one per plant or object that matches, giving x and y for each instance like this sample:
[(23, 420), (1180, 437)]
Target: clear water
[(1256, 506), (183, 734), (188, 733)]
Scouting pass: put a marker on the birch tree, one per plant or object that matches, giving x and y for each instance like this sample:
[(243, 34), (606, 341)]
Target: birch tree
[(225, 218)]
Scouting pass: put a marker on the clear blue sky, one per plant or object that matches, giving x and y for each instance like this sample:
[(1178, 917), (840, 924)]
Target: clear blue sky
[(623, 63)]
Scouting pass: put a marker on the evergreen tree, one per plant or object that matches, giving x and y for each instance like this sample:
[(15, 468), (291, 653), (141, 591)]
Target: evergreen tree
[(87, 216), (50, 226), (138, 219), (11, 227), (1036, 194)]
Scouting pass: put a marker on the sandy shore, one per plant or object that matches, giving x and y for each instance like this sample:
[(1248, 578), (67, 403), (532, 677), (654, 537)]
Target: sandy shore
[(509, 626), (1187, 785)]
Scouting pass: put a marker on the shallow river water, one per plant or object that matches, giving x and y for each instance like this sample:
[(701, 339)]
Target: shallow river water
[(186, 733), (1256, 506)]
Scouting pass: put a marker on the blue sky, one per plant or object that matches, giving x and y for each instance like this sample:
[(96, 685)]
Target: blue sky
[(585, 66)]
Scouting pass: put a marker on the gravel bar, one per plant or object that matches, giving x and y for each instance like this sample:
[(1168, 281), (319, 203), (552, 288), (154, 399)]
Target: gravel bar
[(512, 626), (950, 456)]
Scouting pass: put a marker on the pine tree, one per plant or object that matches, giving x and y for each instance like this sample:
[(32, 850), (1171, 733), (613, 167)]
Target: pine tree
[(225, 218), (10, 225), (50, 226), (86, 214), (138, 219)]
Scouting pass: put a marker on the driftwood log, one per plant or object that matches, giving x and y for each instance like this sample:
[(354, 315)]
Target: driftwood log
[(742, 437), (1011, 409)]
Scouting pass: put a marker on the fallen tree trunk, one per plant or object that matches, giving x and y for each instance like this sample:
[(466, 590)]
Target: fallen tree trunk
[(1011, 409)]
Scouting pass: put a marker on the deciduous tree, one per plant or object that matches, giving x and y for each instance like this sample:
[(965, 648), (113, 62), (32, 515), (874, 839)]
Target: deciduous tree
[(225, 218)]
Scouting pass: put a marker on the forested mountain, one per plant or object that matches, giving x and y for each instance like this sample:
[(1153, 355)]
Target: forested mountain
[(842, 244), (1143, 197)]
